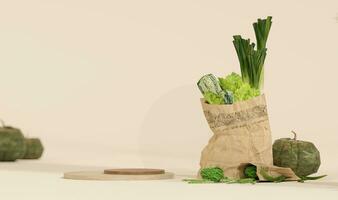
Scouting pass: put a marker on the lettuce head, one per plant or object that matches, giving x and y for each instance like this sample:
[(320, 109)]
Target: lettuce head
[(213, 98), (240, 89)]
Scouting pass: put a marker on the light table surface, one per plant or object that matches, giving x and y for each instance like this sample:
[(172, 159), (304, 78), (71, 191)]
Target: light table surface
[(28, 180)]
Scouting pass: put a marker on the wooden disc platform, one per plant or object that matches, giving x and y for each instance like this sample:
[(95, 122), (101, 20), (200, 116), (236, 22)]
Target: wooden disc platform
[(134, 171), (120, 174)]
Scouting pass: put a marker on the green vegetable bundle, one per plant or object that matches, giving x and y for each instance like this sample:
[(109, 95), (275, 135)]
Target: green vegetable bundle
[(226, 90), (235, 88), (252, 60)]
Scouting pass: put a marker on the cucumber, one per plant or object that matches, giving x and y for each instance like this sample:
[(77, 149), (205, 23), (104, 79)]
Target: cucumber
[(209, 83)]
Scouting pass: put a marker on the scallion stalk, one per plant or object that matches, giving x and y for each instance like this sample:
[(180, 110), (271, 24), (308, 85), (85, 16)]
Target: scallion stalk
[(251, 60)]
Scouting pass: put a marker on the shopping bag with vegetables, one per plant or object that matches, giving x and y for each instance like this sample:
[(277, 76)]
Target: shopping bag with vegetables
[(236, 111)]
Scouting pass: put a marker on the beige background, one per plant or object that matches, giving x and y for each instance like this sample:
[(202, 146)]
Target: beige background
[(113, 83)]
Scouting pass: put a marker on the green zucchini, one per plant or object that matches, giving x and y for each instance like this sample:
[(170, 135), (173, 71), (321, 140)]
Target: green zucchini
[(212, 91), (209, 83)]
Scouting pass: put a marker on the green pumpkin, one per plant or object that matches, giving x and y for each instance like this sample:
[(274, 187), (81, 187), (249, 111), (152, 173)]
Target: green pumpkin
[(12, 144), (34, 148), (301, 156)]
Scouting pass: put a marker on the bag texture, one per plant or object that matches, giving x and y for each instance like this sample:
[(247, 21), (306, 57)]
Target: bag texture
[(241, 135)]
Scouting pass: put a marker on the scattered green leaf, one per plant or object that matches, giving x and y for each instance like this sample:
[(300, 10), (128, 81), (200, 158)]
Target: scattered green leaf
[(306, 178)]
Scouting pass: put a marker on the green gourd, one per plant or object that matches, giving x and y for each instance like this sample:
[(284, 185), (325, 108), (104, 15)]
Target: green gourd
[(34, 148), (12, 143), (301, 156)]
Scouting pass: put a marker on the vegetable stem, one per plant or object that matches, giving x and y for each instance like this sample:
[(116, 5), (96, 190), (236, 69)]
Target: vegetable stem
[(294, 135)]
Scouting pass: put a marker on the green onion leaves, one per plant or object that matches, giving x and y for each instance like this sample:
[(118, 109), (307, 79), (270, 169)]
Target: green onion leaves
[(262, 29), (251, 60)]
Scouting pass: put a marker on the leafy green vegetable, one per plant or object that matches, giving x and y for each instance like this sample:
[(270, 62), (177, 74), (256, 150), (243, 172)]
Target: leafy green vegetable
[(252, 70), (214, 174), (213, 98), (252, 60), (241, 90), (245, 92), (251, 172), (231, 82)]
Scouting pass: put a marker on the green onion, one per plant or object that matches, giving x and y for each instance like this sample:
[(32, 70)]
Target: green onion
[(262, 29), (251, 60)]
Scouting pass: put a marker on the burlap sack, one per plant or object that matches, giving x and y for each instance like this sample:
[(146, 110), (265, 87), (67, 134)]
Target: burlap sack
[(241, 135)]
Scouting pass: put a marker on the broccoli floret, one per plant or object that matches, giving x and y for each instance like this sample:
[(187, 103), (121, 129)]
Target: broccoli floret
[(214, 174), (251, 172)]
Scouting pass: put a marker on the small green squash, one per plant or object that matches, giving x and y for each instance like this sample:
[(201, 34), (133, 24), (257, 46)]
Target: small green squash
[(301, 156), (34, 148), (12, 143)]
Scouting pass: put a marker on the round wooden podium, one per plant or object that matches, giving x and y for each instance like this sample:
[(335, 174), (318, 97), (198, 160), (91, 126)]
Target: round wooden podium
[(127, 174)]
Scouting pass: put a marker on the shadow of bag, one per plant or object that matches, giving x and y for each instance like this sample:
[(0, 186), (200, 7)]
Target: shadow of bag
[(241, 135)]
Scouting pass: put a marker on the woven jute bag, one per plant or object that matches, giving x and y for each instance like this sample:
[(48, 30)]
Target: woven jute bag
[(241, 134)]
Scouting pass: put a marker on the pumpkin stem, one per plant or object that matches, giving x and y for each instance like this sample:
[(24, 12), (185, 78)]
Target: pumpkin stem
[(295, 135)]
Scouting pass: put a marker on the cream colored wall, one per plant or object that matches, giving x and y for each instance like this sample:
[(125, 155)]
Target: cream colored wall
[(114, 82)]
